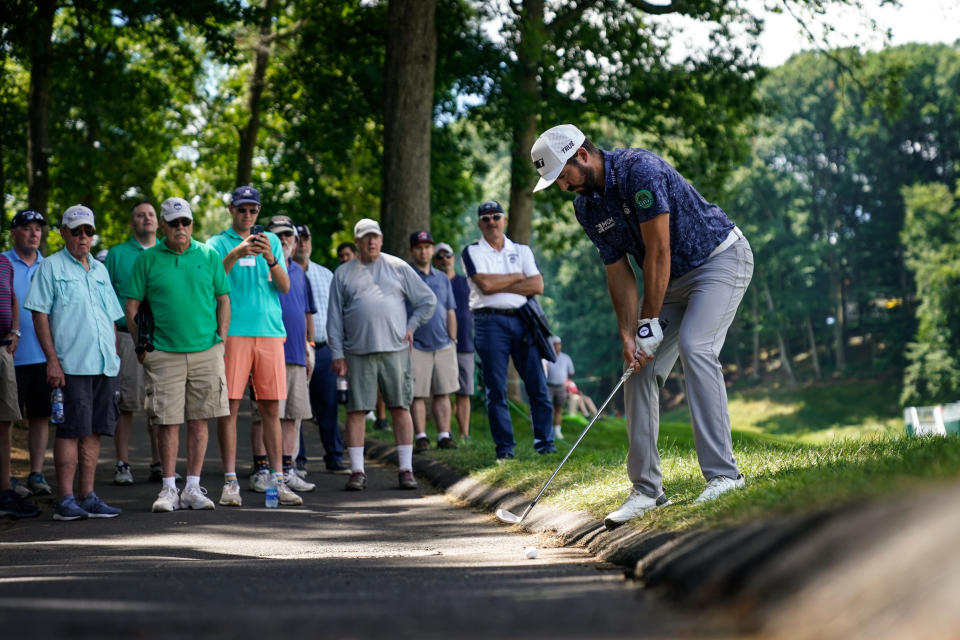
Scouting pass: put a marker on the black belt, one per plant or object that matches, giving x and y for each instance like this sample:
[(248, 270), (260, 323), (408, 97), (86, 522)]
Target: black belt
[(501, 312), (4, 343), (123, 329), (319, 345)]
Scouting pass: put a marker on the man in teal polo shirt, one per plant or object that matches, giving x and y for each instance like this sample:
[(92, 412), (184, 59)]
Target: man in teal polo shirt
[(74, 307), (119, 264), (185, 375), (253, 261)]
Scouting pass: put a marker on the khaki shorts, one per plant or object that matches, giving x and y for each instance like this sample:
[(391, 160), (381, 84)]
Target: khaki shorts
[(9, 403), (191, 386), (297, 404), (388, 370), (466, 364), (435, 373), (263, 357), (131, 374), (558, 394)]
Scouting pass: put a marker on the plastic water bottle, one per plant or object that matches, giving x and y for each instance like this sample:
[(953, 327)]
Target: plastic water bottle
[(342, 390), (273, 497), (56, 406)]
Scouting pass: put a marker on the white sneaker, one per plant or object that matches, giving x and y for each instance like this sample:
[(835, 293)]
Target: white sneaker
[(297, 483), (719, 485), (259, 481), (301, 473), (557, 433), (168, 500), (195, 498), (230, 496), (287, 496), (635, 505)]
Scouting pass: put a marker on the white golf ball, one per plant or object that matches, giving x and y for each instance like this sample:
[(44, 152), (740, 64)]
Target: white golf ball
[(530, 552)]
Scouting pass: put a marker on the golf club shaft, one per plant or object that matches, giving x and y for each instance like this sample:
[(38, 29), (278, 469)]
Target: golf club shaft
[(603, 406)]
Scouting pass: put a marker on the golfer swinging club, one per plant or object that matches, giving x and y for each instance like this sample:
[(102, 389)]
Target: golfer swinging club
[(696, 267)]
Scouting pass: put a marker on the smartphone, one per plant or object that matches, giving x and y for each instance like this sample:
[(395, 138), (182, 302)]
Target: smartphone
[(256, 229)]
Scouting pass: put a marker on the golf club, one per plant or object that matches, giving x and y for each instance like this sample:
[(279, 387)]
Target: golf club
[(505, 516)]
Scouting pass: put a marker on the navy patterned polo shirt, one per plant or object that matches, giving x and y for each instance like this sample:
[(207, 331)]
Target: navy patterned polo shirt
[(641, 185)]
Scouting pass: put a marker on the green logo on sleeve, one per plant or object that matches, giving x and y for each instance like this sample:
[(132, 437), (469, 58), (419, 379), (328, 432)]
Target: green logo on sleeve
[(643, 198)]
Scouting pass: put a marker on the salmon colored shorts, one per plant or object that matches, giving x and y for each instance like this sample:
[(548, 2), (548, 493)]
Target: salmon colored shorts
[(258, 359)]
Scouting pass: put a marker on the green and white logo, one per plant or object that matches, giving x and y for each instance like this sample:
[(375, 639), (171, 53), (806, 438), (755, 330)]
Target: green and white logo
[(643, 198)]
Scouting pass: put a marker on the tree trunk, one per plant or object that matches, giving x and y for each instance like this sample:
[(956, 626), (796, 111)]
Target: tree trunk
[(781, 343), (755, 359), (812, 341), (836, 291), (522, 173), (41, 55), (248, 135), (408, 120)]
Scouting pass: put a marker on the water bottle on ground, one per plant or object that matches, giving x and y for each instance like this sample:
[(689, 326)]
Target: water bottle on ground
[(341, 390), (56, 406), (273, 497)]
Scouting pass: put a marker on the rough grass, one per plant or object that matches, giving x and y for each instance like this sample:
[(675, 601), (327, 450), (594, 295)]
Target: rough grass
[(800, 450)]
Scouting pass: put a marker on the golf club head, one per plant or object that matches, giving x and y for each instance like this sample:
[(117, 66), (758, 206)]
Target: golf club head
[(505, 516)]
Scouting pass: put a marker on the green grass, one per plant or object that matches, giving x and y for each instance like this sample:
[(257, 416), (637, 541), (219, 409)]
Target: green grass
[(800, 450)]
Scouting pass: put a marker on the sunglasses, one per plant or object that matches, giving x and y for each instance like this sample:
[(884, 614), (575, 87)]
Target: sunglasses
[(179, 222), (285, 234), (444, 256), (487, 217), (85, 230), (248, 210)]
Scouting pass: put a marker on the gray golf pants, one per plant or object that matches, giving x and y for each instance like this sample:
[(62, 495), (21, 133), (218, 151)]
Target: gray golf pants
[(699, 307)]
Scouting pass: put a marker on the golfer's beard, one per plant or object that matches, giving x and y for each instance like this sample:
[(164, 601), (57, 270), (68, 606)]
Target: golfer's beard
[(591, 186), (288, 252)]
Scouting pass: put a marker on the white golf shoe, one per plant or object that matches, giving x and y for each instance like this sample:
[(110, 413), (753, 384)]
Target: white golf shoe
[(296, 483), (259, 481), (195, 498), (719, 485), (635, 505), (287, 496), (168, 500)]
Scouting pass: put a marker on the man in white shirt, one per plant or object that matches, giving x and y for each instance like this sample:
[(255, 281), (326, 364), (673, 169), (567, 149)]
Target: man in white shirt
[(502, 275)]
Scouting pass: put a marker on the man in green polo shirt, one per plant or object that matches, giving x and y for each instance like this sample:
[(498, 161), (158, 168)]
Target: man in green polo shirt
[(185, 376), (119, 264)]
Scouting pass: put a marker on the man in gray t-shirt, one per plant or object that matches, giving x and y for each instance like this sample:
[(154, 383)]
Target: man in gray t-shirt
[(369, 334)]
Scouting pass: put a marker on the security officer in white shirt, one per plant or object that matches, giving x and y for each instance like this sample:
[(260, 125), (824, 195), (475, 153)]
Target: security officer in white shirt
[(502, 275)]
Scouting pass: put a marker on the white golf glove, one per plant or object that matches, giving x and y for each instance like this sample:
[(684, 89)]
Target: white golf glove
[(649, 336)]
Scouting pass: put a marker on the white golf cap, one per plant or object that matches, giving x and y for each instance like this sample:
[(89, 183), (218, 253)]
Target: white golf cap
[(76, 216), (552, 150), (175, 208), (365, 227)]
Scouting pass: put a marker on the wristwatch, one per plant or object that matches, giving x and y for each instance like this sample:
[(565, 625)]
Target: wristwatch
[(16, 332), (275, 262)]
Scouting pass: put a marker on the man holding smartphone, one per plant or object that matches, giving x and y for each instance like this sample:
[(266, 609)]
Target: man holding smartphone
[(252, 259)]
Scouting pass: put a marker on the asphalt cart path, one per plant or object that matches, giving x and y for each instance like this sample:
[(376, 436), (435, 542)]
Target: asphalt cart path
[(382, 563)]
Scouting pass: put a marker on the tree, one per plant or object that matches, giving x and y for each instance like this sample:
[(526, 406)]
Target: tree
[(407, 120), (931, 240)]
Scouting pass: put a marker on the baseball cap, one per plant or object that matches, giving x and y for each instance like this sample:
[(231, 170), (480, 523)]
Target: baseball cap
[(76, 216), (418, 237), (365, 227), (302, 230), (174, 208), (443, 248), (490, 206), (555, 340), (279, 224), (26, 217), (552, 150), (245, 195)]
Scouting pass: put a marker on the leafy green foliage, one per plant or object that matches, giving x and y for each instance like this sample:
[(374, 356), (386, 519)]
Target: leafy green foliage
[(931, 237)]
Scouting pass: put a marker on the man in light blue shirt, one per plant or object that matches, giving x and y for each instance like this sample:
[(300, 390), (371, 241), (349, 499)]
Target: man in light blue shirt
[(74, 307), (26, 232)]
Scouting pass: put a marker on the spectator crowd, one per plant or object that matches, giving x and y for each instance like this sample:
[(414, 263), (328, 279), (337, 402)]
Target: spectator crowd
[(184, 330)]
